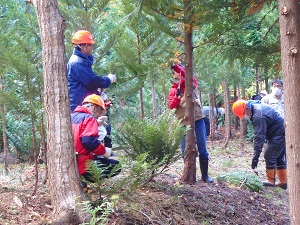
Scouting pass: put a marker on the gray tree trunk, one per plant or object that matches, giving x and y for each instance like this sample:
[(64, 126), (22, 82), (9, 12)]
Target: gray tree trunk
[(227, 114), (64, 182), (289, 19)]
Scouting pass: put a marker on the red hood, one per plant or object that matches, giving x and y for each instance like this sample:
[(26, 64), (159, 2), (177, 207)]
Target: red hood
[(82, 109), (179, 69)]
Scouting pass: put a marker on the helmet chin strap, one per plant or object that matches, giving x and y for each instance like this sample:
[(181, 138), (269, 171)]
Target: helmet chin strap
[(88, 106), (79, 46), (96, 111)]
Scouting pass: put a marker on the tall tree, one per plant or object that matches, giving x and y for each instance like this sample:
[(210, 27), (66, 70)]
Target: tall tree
[(5, 144), (64, 180), (189, 170), (289, 17)]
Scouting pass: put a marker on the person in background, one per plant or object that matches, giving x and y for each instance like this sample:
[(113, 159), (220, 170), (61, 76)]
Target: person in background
[(263, 93), (87, 145), (220, 117), (82, 81), (206, 111), (177, 101), (275, 99), (260, 95), (268, 125)]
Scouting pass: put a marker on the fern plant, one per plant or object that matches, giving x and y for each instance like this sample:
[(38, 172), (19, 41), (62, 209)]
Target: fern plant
[(99, 214), (158, 139)]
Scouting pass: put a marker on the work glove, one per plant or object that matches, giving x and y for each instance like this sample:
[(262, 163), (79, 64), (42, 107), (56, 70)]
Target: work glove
[(107, 152), (102, 120), (112, 77), (255, 160), (102, 132)]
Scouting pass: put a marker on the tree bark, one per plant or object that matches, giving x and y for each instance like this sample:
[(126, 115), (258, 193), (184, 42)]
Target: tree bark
[(289, 19), (154, 100), (64, 182), (257, 80), (189, 170), (211, 98), (5, 142), (227, 114)]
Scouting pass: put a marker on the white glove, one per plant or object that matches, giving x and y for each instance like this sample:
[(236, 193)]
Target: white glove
[(102, 120), (198, 101), (107, 152), (112, 77)]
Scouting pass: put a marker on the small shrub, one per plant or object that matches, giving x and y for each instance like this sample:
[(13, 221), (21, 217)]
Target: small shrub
[(242, 179), (159, 139)]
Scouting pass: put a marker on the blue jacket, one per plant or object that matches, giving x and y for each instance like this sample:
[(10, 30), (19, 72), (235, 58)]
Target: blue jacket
[(267, 124), (82, 81)]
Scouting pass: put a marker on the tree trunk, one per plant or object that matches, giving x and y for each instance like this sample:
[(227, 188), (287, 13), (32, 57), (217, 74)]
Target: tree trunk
[(154, 100), (64, 182), (142, 113), (289, 19), (189, 170), (227, 115), (235, 98), (138, 43), (34, 145), (212, 123), (5, 143), (257, 80), (43, 148)]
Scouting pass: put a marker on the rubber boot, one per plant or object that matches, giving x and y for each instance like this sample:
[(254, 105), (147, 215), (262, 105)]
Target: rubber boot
[(204, 171), (270, 173), (282, 177)]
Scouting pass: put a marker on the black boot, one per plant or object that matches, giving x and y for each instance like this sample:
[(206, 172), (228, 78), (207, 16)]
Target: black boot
[(204, 171)]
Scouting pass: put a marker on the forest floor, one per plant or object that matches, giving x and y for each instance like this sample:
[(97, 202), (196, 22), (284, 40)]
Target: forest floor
[(165, 201)]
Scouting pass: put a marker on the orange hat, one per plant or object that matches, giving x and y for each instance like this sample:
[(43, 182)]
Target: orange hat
[(82, 37), (238, 108), (94, 99)]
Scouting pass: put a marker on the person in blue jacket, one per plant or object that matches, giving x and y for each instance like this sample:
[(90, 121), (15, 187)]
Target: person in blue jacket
[(82, 81)]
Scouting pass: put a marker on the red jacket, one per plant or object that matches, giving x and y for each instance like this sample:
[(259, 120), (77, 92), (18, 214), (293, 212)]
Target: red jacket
[(179, 104), (85, 131), (174, 102)]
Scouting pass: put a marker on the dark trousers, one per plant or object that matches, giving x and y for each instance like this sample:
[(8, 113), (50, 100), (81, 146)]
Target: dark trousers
[(207, 126), (106, 166)]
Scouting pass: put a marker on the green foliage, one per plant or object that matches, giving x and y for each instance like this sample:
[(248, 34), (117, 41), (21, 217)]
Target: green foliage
[(137, 173), (99, 213), (108, 190), (158, 139), (242, 179), (19, 134)]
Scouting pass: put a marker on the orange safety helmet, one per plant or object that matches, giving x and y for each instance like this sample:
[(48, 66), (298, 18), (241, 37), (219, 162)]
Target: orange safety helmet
[(82, 37), (238, 108), (94, 99)]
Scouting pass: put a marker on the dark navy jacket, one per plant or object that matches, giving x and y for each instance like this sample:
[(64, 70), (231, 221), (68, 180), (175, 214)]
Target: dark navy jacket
[(82, 81), (267, 124)]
